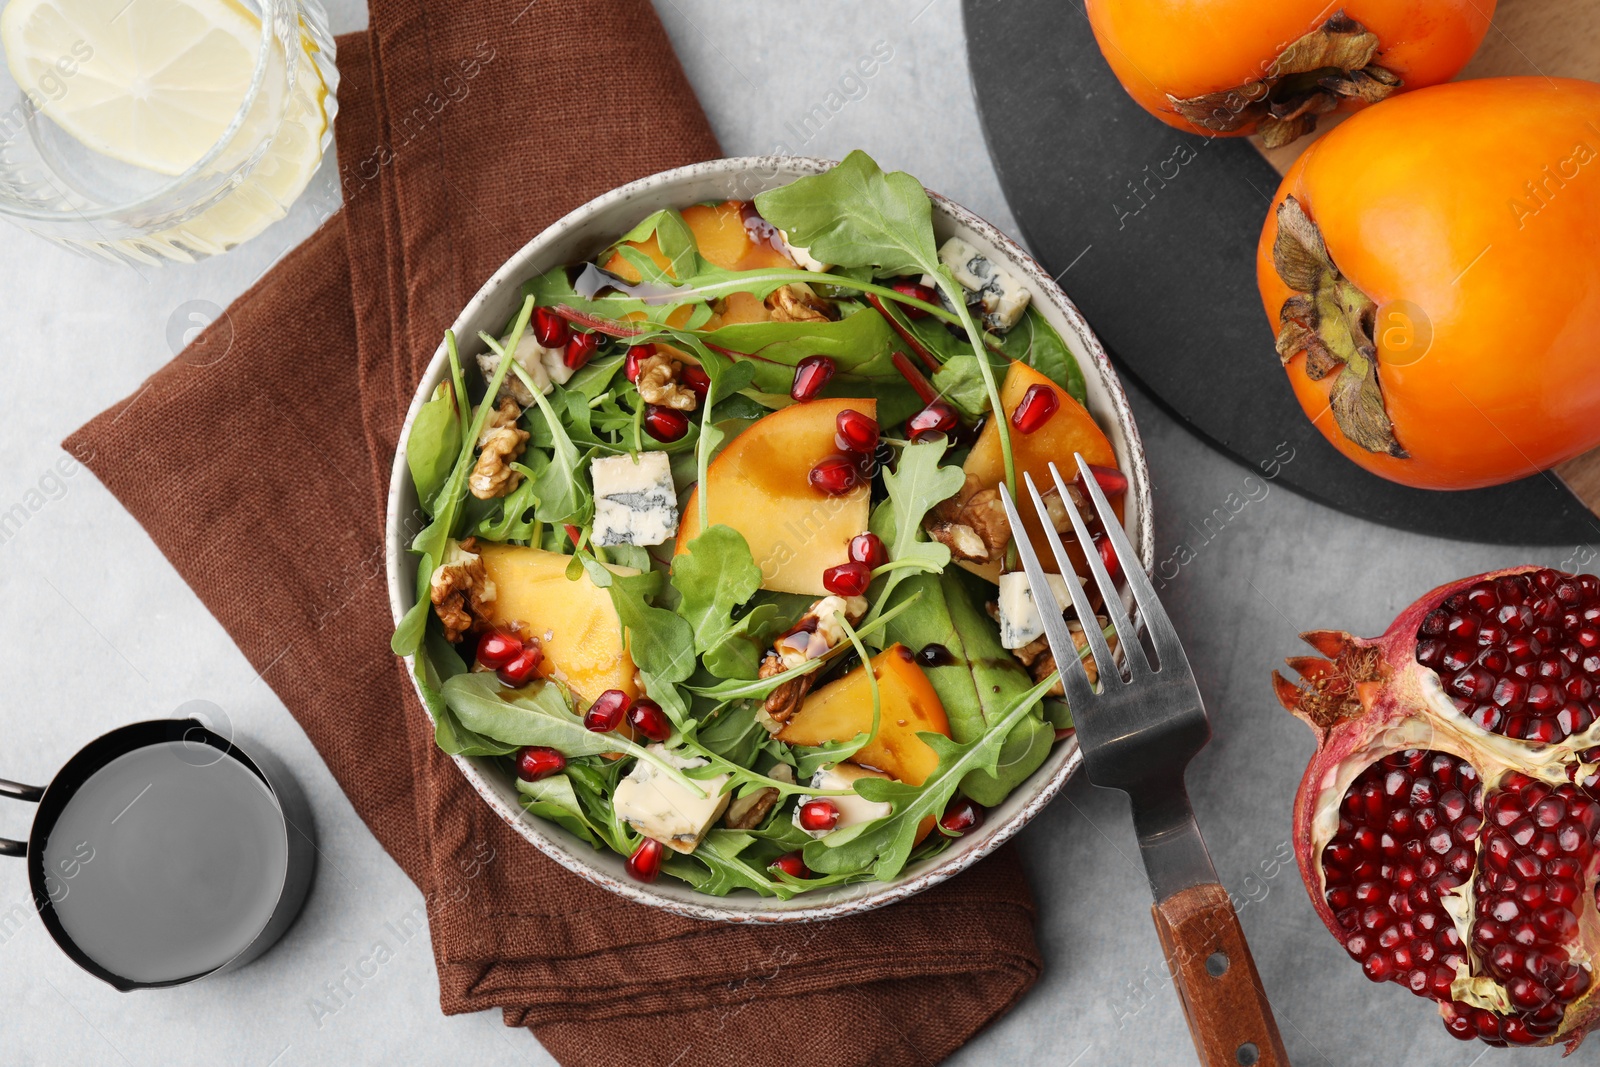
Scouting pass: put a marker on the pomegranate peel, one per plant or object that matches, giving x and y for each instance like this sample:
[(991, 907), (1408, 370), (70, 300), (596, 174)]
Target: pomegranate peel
[(1448, 826)]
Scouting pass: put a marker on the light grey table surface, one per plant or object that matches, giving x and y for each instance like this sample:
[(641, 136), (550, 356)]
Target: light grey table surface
[(100, 631)]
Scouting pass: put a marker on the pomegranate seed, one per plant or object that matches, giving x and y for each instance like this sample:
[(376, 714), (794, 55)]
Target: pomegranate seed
[(937, 417), (916, 291), (581, 348), (550, 329), (645, 863), (606, 713), (636, 355), (697, 380), (868, 548), (539, 761), (792, 864), (520, 670), (1108, 556), (498, 649), (818, 815), (810, 375), (665, 424), (647, 717), (856, 432), (835, 474), (1111, 481), (1038, 404), (961, 817), (847, 579)]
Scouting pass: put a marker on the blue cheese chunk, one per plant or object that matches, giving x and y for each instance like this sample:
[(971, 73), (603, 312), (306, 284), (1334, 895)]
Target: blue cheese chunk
[(853, 809), (999, 292), (546, 366), (635, 502), (1020, 621), (660, 808)]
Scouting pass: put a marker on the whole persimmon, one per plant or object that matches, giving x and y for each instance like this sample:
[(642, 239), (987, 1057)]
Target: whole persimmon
[(1235, 67), (1432, 267)]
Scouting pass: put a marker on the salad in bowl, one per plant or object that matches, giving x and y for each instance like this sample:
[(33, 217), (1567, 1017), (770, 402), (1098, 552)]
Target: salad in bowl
[(713, 582)]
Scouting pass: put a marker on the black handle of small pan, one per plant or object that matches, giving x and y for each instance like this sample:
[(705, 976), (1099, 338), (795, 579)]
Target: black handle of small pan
[(17, 791)]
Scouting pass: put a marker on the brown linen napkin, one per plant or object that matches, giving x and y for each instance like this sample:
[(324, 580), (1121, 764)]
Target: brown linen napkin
[(463, 130)]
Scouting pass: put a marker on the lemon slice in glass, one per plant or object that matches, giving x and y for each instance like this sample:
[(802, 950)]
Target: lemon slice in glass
[(157, 82)]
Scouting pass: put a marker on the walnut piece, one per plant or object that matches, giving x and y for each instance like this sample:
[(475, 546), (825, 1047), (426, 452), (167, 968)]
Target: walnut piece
[(1041, 663), (659, 383), (746, 813), (500, 445), (460, 590), (812, 637), (797, 302), (972, 524)]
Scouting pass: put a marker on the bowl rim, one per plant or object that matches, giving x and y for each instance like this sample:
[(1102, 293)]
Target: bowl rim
[(742, 909)]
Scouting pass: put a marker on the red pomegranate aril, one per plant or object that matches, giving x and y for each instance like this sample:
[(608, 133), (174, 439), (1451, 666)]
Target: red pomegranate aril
[(496, 649), (1111, 481), (522, 667), (847, 579), (646, 716), (1108, 556), (818, 815), (550, 329), (636, 356), (962, 816), (916, 291), (810, 375), (607, 711), (792, 864), (697, 380), (937, 417), (539, 761), (665, 424), (645, 863), (1518, 849), (857, 432), (835, 474), (868, 548), (581, 349), (1034, 410)]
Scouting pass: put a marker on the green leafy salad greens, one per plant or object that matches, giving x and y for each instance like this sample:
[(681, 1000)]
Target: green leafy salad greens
[(634, 363)]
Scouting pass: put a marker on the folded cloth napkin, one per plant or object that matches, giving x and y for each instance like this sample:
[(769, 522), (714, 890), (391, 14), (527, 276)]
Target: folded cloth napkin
[(463, 129)]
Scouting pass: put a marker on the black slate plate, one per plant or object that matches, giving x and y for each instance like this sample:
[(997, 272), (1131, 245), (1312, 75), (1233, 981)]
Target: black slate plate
[(1152, 232)]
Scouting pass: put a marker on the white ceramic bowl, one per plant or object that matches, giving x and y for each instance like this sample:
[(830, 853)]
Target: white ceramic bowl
[(583, 234)]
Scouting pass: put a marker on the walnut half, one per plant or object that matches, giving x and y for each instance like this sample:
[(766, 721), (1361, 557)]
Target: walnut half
[(499, 446), (797, 302), (460, 590), (972, 524), (660, 383)]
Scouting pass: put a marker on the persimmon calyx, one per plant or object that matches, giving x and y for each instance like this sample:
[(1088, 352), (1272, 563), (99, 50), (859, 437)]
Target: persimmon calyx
[(1309, 78), (1331, 321)]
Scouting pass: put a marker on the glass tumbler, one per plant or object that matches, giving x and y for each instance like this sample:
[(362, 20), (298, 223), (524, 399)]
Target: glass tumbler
[(152, 130)]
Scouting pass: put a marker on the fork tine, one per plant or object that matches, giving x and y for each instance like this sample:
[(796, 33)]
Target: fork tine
[(1132, 652), (1104, 661), (1162, 633), (1074, 679)]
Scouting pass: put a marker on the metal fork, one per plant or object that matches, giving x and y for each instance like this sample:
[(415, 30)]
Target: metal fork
[(1138, 735)]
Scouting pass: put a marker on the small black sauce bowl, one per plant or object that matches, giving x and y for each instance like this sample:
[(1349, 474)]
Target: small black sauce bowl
[(205, 747)]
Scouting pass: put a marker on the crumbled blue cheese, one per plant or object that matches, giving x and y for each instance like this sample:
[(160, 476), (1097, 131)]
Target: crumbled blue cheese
[(854, 809), (1020, 621), (546, 366), (635, 502), (660, 808), (802, 257), (1001, 294)]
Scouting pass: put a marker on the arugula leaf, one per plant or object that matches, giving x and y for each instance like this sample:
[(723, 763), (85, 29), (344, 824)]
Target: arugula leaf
[(673, 238), (434, 443), (737, 653), (715, 867), (960, 382), (886, 844), (435, 665), (561, 489), (915, 485), (857, 216), (715, 576), (726, 380), (509, 522), (660, 641), (861, 346), (553, 798), (540, 714)]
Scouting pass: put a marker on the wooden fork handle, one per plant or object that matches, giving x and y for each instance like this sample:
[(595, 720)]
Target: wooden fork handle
[(1227, 1009)]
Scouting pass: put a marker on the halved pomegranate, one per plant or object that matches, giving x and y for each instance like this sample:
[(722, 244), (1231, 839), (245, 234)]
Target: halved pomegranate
[(1448, 827)]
